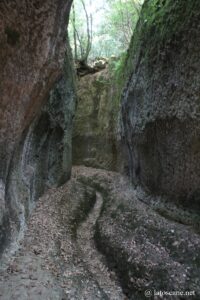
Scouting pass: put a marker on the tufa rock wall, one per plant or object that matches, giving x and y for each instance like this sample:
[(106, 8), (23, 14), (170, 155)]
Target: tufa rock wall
[(95, 142), (36, 106), (161, 103)]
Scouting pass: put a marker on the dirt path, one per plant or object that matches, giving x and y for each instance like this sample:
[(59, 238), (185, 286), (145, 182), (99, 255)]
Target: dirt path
[(94, 260), (58, 258)]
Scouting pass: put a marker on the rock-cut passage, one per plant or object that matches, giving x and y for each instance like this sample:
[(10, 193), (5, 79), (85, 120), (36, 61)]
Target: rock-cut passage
[(93, 238), (94, 260), (58, 258)]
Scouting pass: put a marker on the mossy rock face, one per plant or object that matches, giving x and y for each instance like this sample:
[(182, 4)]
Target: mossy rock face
[(95, 127), (161, 103)]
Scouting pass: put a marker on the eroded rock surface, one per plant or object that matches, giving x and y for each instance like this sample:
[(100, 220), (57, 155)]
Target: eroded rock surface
[(35, 145), (161, 102), (95, 142)]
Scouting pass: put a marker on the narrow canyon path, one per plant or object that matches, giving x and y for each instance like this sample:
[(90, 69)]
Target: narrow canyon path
[(94, 260), (58, 258), (93, 239)]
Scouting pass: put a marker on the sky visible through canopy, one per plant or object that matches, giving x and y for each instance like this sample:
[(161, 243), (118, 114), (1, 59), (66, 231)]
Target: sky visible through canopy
[(113, 22)]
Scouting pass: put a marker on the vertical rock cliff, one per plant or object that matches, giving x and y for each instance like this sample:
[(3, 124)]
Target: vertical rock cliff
[(161, 103), (95, 125), (36, 106)]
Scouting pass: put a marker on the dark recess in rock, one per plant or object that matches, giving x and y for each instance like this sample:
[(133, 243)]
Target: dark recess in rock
[(13, 36)]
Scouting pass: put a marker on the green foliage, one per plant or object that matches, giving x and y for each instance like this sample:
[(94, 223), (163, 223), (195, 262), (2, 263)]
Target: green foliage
[(117, 67), (80, 29), (113, 25), (117, 26), (122, 18)]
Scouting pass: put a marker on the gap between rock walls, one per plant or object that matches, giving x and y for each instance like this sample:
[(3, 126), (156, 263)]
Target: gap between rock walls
[(99, 150)]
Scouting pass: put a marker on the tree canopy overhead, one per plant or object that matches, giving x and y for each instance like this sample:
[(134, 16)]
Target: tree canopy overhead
[(102, 28)]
